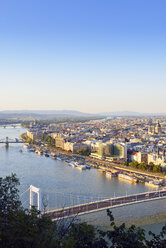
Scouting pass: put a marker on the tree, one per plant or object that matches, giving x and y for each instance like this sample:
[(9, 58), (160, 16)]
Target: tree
[(9, 198), (82, 235), (133, 164), (84, 152), (123, 237), (19, 227), (157, 168)]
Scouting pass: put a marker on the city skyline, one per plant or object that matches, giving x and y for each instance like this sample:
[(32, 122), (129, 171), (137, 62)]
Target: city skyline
[(89, 56)]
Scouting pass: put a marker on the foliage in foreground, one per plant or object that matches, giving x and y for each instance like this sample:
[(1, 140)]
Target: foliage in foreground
[(21, 228)]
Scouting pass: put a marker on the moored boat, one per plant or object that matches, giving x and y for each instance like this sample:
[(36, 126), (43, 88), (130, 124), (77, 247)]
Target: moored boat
[(81, 167), (88, 166), (128, 178), (31, 150), (46, 154), (111, 174), (152, 184), (40, 153)]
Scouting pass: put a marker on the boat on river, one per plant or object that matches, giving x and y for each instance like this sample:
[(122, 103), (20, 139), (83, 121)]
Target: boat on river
[(40, 152), (31, 150), (111, 174), (88, 166), (81, 167), (128, 178), (26, 145), (74, 164), (152, 184), (46, 154), (53, 155)]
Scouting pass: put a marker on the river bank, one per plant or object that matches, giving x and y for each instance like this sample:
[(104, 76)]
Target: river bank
[(102, 164), (82, 162)]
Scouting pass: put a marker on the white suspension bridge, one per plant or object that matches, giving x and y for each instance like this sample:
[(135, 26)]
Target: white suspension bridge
[(73, 205)]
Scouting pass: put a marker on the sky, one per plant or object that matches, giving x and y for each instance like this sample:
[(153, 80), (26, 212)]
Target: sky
[(86, 55)]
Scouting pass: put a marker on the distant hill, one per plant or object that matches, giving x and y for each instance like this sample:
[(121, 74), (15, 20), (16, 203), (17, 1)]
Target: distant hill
[(130, 113), (121, 113), (44, 114), (62, 114), (73, 112)]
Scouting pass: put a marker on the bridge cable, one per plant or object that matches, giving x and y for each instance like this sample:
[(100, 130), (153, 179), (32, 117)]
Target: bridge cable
[(25, 201), (24, 192)]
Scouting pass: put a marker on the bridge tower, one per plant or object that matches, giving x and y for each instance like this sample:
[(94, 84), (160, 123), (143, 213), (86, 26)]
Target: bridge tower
[(39, 200), (6, 142)]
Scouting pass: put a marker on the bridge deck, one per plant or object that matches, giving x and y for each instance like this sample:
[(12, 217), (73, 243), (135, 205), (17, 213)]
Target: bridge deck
[(104, 204)]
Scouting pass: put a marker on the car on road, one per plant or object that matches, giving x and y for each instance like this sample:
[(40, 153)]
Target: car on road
[(147, 196)]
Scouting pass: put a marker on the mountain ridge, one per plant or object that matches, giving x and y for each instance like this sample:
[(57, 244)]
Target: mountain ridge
[(71, 113)]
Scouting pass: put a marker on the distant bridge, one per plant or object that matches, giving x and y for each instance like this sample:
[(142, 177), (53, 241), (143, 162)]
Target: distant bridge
[(8, 141), (105, 204), (7, 125)]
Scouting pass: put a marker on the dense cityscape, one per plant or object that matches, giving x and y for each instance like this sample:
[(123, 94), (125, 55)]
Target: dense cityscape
[(129, 141)]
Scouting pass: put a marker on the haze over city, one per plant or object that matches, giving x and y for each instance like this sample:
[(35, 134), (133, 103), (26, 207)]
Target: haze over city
[(90, 56)]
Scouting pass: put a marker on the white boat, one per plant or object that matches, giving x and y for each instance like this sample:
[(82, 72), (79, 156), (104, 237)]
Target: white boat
[(72, 164), (53, 157), (26, 145), (32, 149), (128, 178), (152, 184), (40, 153), (81, 167), (58, 158), (76, 164), (111, 174)]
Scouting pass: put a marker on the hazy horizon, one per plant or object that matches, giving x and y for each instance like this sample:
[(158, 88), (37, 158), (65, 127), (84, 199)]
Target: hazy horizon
[(67, 111), (91, 56)]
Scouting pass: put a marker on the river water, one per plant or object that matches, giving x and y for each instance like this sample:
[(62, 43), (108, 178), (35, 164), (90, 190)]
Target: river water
[(63, 185)]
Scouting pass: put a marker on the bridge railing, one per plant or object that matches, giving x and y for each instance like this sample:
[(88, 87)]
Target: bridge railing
[(133, 196)]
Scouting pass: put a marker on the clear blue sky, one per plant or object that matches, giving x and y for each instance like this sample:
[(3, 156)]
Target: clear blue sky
[(87, 55)]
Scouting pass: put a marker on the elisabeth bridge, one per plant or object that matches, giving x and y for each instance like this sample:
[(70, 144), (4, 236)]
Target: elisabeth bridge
[(91, 206)]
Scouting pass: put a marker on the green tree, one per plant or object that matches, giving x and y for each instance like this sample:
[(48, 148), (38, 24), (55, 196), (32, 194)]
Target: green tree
[(123, 237), (157, 168), (84, 152), (82, 235), (143, 166), (133, 164), (9, 198)]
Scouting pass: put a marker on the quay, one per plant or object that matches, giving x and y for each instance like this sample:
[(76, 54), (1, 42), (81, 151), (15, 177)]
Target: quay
[(105, 165)]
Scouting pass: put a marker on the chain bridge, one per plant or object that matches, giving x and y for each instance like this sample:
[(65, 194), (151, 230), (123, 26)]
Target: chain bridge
[(8, 141)]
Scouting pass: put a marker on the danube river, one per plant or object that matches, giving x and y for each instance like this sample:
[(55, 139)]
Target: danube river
[(63, 185)]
